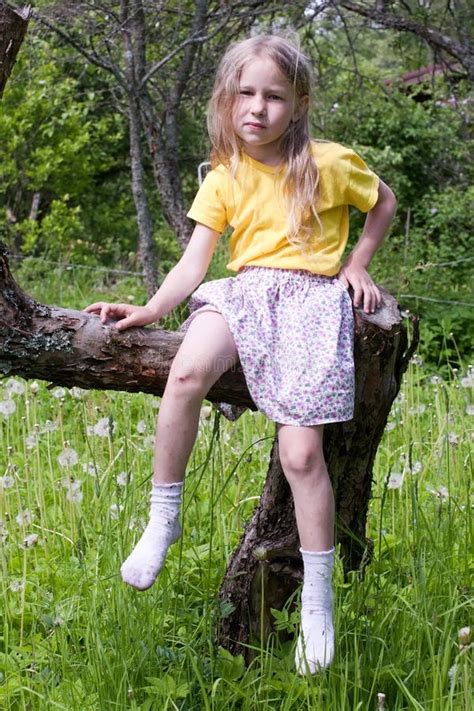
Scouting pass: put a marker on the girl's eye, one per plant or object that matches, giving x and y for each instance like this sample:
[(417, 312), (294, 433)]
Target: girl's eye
[(245, 92), (275, 97)]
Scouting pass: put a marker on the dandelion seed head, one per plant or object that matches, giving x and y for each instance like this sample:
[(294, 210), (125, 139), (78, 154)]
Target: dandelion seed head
[(90, 468), (441, 492), (470, 410), (34, 387), (149, 441), (68, 457), (7, 407), (77, 393), (103, 427), (436, 379), (30, 540), (122, 479), (464, 636), (31, 441), (453, 438), (141, 427), (17, 585), (395, 480), (50, 426), (24, 518), (6, 482), (59, 393), (390, 426), (416, 467), (116, 510), (155, 403), (15, 387), (416, 360)]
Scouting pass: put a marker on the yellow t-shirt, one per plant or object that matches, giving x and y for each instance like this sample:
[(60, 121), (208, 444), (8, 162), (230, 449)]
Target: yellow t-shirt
[(253, 204)]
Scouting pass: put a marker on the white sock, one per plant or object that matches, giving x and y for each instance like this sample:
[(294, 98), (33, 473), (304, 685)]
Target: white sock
[(147, 558), (315, 646)]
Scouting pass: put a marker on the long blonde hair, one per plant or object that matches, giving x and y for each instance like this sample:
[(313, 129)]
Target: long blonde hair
[(300, 186)]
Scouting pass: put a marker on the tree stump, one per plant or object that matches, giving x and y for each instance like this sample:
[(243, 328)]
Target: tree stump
[(71, 348)]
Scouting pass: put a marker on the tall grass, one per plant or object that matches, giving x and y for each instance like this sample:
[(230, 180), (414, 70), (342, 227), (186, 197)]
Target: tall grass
[(74, 483)]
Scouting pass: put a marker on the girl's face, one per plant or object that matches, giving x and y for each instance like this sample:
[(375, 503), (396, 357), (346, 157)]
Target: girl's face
[(264, 109)]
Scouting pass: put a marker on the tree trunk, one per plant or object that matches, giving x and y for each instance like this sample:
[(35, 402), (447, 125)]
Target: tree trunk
[(73, 348), (266, 568), (133, 49), (13, 26)]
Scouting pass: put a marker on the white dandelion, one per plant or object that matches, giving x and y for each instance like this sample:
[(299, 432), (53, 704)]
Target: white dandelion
[(141, 427), (149, 441), (15, 387), (390, 426), (30, 540), (116, 510), (31, 441), (90, 468), (6, 482), (436, 379), (73, 490), (49, 426), (416, 467), (17, 585), (416, 360), (395, 480), (24, 518), (59, 393), (34, 387), (441, 492), (453, 438), (122, 479), (77, 393), (68, 457), (3, 532), (103, 427), (7, 407), (470, 410), (464, 637), (155, 403)]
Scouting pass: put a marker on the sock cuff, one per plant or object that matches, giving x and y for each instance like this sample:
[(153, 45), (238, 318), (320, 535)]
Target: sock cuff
[(317, 554), (171, 488)]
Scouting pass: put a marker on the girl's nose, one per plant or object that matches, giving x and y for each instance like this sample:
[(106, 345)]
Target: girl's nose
[(258, 106)]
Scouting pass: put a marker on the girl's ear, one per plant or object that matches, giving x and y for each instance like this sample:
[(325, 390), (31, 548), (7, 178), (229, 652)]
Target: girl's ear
[(301, 107)]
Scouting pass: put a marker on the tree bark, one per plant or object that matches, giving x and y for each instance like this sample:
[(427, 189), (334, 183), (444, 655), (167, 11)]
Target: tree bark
[(13, 26), (133, 35), (266, 567), (73, 348)]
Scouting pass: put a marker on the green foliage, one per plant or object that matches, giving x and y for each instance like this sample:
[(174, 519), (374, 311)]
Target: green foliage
[(74, 636)]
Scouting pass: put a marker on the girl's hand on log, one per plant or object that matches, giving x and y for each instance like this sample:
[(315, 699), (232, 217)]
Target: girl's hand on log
[(365, 291), (127, 314)]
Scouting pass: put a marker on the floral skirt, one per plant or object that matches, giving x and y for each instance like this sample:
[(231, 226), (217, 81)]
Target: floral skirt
[(294, 336)]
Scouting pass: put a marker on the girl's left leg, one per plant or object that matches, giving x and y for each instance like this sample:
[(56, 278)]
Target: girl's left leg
[(302, 459)]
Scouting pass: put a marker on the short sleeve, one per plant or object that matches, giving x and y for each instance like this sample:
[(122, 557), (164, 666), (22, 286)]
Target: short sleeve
[(362, 186), (208, 206)]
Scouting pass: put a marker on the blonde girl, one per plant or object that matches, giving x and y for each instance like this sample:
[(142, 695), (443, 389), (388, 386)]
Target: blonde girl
[(286, 315)]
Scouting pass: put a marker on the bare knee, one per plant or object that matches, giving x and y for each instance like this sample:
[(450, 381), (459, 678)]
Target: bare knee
[(187, 382), (299, 462)]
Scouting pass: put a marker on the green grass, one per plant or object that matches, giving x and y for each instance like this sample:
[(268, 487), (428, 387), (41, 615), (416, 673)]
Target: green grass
[(74, 637)]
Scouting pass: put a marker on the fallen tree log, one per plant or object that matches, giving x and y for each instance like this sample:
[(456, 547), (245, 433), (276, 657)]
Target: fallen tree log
[(70, 348)]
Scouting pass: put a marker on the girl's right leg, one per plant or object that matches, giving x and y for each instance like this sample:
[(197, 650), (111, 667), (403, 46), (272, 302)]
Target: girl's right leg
[(207, 351)]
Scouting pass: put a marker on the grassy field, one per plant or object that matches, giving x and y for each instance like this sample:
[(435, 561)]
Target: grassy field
[(73, 497)]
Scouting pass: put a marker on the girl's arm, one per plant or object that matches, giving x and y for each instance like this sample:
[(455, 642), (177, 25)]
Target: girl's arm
[(354, 272), (178, 284)]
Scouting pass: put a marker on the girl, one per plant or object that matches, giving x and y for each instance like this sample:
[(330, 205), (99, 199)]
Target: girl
[(287, 315)]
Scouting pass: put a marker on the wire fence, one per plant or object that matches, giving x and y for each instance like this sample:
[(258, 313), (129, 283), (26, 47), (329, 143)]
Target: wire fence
[(68, 266)]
